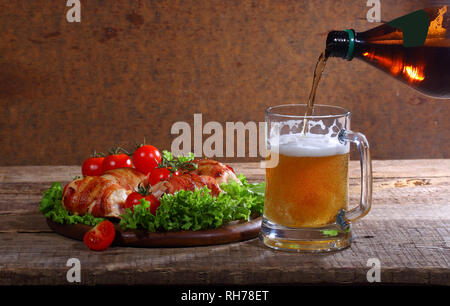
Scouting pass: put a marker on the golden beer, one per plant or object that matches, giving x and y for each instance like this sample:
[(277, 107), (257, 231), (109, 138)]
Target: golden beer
[(306, 197), (307, 191)]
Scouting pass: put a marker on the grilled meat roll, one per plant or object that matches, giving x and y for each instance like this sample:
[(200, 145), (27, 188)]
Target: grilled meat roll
[(188, 181), (221, 172), (101, 196), (128, 178)]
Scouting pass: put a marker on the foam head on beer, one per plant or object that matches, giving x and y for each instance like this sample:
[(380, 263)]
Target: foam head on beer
[(307, 144)]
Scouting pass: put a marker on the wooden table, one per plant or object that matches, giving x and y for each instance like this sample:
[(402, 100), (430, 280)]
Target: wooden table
[(407, 230)]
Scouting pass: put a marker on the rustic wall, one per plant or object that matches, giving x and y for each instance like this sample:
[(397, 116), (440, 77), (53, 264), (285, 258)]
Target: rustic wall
[(132, 68)]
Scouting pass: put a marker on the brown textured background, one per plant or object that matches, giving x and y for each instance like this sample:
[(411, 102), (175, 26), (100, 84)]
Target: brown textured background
[(132, 68)]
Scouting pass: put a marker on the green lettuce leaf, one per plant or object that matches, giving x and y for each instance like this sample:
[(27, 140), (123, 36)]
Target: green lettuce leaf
[(198, 209)]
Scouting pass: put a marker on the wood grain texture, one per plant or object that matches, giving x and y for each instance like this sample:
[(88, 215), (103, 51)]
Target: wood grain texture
[(133, 68), (404, 259), (408, 230)]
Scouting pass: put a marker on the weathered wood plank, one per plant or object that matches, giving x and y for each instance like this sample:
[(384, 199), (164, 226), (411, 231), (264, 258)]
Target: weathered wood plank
[(419, 181), (381, 168), (16, 174), (407, 230), (23, 223), (420, 208), (409, 251), (423, 191), (37, 189), (392, 198)]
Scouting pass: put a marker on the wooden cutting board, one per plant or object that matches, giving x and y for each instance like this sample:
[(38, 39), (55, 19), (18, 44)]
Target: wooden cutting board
[(232, 232)]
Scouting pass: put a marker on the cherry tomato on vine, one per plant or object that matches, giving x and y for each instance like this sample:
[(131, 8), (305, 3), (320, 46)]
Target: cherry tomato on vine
[(160, 174), (146, 158), (135, 197), (92, 166), (116, 160), (154, 203)]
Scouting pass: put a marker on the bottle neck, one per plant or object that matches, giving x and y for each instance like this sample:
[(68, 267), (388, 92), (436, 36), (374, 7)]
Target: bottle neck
[(341, 44)]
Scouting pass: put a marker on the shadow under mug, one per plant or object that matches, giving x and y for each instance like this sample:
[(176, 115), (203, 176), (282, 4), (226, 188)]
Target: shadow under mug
[(306, 204)]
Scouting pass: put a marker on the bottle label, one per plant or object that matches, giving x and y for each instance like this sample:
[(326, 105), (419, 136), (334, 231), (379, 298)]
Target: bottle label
[(414, 27)]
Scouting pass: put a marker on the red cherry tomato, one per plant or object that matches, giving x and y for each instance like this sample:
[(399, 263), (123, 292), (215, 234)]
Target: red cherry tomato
[(92, 166), (115, 161), (146, 158), (100, 236), (157, 175), (134, 198), (160, 174), (154, 203)]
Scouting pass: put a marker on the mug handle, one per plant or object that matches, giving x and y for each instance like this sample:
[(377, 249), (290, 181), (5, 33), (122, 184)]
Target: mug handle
[(365, 201)]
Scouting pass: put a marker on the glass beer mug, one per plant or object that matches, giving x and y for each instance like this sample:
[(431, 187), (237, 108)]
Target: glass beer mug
[(306, 205)]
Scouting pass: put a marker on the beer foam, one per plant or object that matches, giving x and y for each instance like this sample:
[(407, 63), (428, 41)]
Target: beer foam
[(309, 145)]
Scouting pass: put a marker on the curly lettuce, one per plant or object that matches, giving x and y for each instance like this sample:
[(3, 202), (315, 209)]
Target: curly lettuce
[(198, 209)]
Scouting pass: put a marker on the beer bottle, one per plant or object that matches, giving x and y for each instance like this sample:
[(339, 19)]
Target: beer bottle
[(414, 49)]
